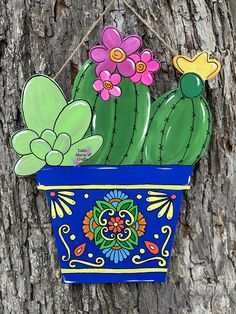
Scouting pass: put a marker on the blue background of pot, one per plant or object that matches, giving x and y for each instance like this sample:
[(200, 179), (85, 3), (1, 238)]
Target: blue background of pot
[(174, 175)]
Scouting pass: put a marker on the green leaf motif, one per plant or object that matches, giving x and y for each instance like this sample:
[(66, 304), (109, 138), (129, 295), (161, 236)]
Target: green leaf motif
[(28, 165), (74, 120), (21, 141), (40, 148), (107, 244), (42, 101), (102, 205), (96, 213), (98, 236), (134, 211), (125, 204), (126, 244), (133, 237)]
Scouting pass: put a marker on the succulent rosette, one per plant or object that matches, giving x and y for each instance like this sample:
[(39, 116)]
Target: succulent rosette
[(55, 128)]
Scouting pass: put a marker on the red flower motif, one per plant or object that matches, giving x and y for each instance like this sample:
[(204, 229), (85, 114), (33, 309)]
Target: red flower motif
[(116, 224)]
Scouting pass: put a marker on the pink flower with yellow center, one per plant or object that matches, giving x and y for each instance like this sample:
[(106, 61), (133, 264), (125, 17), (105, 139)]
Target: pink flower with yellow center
[(116, 224), (145, 67), (114, 53), (106, 85)]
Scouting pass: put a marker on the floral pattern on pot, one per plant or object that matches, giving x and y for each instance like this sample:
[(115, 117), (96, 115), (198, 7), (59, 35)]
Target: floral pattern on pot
[(115, 224)]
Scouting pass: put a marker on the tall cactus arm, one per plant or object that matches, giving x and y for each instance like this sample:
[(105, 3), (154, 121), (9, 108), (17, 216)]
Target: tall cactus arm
[(122, 121)]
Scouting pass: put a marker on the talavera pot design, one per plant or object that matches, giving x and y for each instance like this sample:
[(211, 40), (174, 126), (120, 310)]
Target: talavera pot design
[(114, 224)]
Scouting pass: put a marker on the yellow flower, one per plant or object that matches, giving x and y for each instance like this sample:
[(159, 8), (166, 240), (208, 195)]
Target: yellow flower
[(163, 202), (201, 64), (59, 201)]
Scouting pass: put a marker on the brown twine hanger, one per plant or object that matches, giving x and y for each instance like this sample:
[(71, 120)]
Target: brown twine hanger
[(173, 52)]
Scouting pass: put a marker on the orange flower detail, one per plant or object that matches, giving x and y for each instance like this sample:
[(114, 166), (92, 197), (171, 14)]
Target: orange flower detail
[(87, 224), (141, 224)]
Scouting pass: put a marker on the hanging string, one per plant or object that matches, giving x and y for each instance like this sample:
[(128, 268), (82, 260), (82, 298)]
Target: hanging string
[(84, 38), (173, 52)]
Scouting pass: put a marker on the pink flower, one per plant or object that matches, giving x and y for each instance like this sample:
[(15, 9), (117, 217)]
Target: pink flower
[(115, 51), (145, 66), (106, 85)]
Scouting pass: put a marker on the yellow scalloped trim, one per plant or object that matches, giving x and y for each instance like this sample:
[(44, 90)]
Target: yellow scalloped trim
[(201, 64)]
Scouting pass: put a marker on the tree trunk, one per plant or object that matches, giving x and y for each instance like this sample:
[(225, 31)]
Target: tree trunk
[(37, 37)]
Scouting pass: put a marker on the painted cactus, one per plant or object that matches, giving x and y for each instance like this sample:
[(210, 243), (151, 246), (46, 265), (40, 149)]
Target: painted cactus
[(115, 84), (55, 129), (180, 130)]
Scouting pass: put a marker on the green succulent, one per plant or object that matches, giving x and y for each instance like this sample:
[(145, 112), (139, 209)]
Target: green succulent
[(55, 128)]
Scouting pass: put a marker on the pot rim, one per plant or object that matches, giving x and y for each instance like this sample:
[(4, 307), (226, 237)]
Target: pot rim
[(114, 176)]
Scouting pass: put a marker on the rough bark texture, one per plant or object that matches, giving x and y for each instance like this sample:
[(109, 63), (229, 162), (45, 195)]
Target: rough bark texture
[(37, 37)]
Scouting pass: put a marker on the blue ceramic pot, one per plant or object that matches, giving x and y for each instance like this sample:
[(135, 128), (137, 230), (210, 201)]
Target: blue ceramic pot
[(114, 224)]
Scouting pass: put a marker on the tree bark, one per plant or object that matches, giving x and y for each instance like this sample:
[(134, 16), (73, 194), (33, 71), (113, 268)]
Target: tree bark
[(37, 37)]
